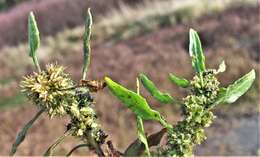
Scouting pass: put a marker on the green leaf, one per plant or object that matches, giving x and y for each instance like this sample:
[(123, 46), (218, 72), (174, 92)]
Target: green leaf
[(196, 52), (141, 134), (136, 148), (22, 134), (222, 67), (86, 43), (237, 89), (33, 39), (50, 150), (140, 125), (152, 89), (133, 101), (34, 35), (181, 82)]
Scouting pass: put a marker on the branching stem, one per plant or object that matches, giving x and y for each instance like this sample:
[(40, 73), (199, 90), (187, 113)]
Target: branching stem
[(36, 63), (75, 148), (56, 143)]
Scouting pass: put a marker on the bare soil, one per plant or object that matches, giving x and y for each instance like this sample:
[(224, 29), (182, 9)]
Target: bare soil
[(232, 35)]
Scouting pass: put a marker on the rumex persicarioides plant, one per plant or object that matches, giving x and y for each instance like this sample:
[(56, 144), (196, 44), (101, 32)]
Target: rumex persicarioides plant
[(205, 93), (53, 91)]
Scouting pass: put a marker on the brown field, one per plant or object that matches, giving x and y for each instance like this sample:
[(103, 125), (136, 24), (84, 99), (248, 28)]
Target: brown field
[(232, 35), (53, 16)]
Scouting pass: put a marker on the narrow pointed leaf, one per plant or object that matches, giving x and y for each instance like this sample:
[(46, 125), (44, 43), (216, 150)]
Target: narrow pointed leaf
[(196, 52), (50, 150), (34, 35), (86, 43), (33, 39), (141, 134), (181, 82), (133, 101), (153, 90), (22, 134), (237, 89)]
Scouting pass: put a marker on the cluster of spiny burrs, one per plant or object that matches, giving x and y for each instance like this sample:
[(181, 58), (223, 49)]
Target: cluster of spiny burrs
[(53, 91), (190, 131), (47, 89), (84, 119)]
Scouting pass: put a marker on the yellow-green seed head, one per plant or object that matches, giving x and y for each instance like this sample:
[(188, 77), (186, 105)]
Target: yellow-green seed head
[(46, 89)]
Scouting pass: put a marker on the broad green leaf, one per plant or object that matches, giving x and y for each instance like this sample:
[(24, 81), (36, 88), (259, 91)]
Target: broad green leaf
[(50, 150), (153, 90), (33, 39), (222, 67), (196, 52), (86, 43), (133, 101), (181, 82), (237, 89), (136, 148), (22, 134)]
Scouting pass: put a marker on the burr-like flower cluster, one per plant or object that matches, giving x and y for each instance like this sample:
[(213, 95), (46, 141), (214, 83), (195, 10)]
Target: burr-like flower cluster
[(47, 89), (56, 93), (190, 131), (83, 118)]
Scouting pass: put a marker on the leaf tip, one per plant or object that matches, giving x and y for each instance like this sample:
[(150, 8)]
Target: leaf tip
[(106, 78), (142, 76), (89, 18), (192, 30), (252, 72), (31, 14)]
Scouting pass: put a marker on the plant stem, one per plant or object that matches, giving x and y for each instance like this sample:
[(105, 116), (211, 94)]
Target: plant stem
[(113, 151), (36, 63), (75, 148), (56, 143), (140, 125), (165, 124), (22, 134), (95, 145)]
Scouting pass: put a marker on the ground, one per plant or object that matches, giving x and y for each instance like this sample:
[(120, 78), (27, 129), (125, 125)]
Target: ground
[(231, 36)]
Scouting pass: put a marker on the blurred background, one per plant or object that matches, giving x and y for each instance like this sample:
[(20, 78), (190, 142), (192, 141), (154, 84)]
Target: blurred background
[(129, 37)]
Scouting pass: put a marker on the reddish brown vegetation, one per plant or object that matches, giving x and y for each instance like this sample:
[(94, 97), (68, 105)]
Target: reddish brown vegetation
[(52, 16), (230, 35)]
